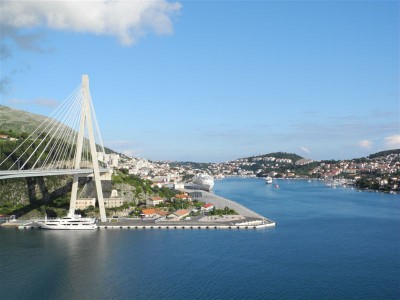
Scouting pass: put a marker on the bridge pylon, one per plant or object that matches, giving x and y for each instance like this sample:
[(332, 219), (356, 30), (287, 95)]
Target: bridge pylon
[(86, 124)]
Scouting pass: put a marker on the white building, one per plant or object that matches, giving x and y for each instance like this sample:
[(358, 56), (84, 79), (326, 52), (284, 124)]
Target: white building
[(153, 201)]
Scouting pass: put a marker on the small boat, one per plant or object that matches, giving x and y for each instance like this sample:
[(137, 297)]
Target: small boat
[(268, 180), (70, 222), (276, 186)]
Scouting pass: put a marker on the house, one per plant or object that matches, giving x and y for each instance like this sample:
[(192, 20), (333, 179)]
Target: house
[(207, 207), (153, 201), (183, 196), (179, 214), (153, 213), (149, 213)]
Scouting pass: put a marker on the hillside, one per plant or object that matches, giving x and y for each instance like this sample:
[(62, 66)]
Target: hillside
[(277, 155), (19, 124), (18, 120), (384, 153)]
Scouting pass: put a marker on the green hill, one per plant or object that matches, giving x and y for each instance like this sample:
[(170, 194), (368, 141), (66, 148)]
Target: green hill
[(384, 153), (280, 155), (18, 121)]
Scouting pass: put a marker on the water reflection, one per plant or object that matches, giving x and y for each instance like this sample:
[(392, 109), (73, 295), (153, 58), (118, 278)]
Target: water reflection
[(78, 260)]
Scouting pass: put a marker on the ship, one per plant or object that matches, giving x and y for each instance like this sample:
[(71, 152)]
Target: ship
[(70, 222), (205, 181), (268, 180)]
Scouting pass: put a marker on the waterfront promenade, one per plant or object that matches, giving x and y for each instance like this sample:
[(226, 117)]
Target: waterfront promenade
[(245, 219)]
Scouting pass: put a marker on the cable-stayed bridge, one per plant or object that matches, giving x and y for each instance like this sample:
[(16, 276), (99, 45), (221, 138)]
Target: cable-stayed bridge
[(68, 142)]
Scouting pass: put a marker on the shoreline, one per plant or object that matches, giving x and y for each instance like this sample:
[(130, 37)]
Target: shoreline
[(246, 219)]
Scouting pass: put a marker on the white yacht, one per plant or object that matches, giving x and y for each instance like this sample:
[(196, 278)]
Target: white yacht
[(205, 181), (70, 222), (268, 180)]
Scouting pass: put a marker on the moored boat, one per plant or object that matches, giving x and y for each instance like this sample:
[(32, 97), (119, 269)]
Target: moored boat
[(70, 222), (205, 181)]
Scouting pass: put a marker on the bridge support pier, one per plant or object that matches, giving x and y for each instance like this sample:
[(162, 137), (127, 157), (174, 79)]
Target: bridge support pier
[(86, 119), (74, 192)]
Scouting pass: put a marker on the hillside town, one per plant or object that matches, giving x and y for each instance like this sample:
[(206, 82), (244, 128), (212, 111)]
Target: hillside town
[(381, 171)]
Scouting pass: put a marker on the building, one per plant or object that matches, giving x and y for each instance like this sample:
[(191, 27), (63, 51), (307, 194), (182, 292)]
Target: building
[(84, 203), (183, 196), (109, 159), (153, 201), (113, 202), (149, 213), (179, 214), (114, 194), (207, 207), (179, 186), (6, 137)]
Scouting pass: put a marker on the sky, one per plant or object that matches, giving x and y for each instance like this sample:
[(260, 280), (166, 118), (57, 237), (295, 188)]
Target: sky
[(213, 81)]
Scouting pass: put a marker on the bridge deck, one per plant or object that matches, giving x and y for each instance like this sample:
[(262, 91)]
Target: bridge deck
[(40, 173)]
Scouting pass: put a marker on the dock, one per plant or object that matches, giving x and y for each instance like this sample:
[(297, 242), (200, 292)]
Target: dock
[(246, 218)]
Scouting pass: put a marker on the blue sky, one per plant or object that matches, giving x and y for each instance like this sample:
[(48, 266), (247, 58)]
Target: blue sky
[(215, 80)]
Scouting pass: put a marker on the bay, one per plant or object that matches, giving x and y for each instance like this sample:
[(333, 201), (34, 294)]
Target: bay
[(328, 244)]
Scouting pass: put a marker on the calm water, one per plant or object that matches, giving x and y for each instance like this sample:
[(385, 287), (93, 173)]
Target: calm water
[(328, 244)]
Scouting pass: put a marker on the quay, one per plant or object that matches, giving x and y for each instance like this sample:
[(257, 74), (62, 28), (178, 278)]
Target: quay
[(193, 226), (246, 219)]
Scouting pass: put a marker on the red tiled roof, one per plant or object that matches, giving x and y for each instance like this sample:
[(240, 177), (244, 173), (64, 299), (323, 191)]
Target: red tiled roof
[(182, 212), (182, 196), (149, 211), (162, 213)]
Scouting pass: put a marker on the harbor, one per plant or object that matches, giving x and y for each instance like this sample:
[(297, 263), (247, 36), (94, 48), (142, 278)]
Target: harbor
[(245, 219)]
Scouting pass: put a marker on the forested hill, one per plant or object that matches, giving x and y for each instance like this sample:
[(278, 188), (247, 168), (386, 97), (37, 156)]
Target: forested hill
[(384, 153), (278, 155)]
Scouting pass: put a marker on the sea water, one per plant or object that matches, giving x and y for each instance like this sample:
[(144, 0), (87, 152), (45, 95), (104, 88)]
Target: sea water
[(328, 244)]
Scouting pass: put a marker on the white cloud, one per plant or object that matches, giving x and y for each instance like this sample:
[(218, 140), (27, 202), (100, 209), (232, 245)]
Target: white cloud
[(365, 144), (393, 141), (305, 150), (127, 19)]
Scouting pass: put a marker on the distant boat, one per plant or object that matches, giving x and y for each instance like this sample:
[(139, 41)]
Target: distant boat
[(276, 186), (205, 181), (268, 180)]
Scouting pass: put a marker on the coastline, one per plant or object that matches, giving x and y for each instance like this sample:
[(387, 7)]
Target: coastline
[(246, 219)]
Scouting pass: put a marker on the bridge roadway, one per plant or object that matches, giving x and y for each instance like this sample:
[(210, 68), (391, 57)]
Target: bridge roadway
[(40, 173)]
